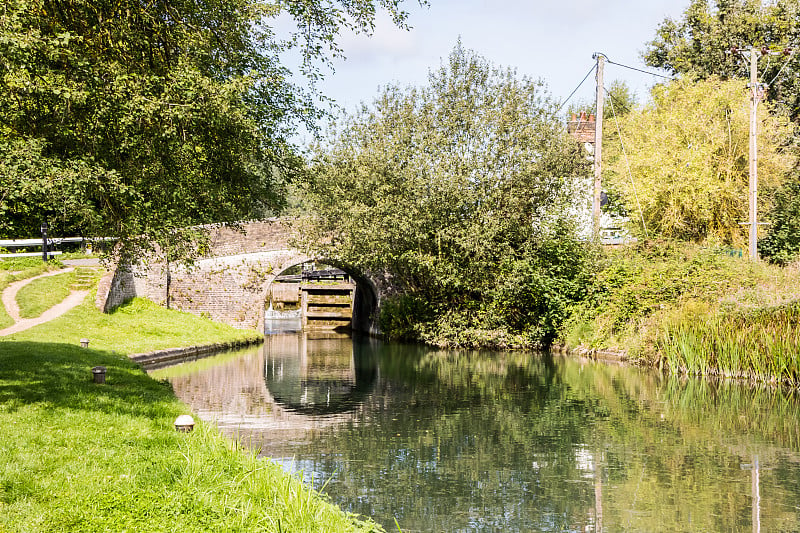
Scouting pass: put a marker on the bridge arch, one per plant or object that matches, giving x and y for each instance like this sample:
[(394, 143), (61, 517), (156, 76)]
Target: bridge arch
[(366, 302), (232, 282)]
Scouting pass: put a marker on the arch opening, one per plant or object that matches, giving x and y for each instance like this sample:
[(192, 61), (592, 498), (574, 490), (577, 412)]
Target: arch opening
[(319, 294)]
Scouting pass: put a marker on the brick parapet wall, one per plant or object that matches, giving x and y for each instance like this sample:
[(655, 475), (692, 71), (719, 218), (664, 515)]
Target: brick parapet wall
[(231, 284), (256, 236)]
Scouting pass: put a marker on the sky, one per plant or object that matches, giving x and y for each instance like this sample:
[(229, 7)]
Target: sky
[(551, 40)]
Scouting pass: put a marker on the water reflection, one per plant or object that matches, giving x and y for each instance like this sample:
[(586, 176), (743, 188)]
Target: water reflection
[(456, 441), (311, 374)]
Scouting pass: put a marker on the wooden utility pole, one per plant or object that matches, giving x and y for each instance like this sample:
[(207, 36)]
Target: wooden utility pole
[(598, 147), (753, 194)]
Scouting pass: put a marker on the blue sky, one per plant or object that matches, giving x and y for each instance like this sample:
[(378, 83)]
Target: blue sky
[(552, 40)]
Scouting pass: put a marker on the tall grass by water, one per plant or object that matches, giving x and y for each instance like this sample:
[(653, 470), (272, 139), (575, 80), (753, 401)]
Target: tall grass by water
[(760, 344)]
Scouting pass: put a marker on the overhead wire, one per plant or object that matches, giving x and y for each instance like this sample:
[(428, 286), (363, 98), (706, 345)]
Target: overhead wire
[(785, 63), (560, 107), (639, 70)]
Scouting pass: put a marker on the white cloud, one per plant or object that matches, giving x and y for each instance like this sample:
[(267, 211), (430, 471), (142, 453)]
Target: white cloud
[(388, 42)]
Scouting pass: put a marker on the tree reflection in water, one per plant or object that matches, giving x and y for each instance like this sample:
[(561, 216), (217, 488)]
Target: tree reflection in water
[(468, 441)]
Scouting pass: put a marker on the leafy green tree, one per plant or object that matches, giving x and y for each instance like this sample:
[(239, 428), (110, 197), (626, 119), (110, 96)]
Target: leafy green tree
[(701, 44), (620, 100), (132, 119), (448, 187), (782, 243), (686, 161)]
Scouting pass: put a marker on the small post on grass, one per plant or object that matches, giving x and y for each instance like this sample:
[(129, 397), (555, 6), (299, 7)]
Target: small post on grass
[(44, 241), (99, 373), (184, 423)]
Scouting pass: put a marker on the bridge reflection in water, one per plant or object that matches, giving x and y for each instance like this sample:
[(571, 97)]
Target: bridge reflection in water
[(296, 384)]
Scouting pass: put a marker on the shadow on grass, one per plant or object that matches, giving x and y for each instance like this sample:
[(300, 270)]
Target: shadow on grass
[(60, 376)]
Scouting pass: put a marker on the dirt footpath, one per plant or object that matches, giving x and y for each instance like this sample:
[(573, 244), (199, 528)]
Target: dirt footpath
[(9, 299)]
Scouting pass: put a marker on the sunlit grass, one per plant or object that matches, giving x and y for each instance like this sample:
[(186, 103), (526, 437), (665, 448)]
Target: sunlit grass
[(81, 457), (137, 326), (12, 270), (758, 344), (41, 294)]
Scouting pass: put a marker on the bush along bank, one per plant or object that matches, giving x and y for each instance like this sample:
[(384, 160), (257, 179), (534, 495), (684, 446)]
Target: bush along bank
[(693, 310)]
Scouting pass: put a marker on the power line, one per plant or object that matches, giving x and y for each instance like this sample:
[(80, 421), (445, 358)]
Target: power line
[(576, 89), (783, 67), (640, 70)]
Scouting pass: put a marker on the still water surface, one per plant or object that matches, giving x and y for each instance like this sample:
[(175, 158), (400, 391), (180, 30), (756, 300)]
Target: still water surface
[(469, 441)]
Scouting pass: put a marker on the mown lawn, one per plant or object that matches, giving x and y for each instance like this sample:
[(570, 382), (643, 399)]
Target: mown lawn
[(137, 326), (41, 294), (77, 456)]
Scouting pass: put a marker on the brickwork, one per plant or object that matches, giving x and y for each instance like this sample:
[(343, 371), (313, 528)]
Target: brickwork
[(232, 283), (267, 235)]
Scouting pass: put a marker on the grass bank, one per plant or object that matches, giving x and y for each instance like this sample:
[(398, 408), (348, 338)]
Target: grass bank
[(135, 327), (694, 310), (77, 456), (41, 294), (12, 270)]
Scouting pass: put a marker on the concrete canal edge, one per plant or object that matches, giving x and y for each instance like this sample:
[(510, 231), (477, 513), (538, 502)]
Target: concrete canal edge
[(175, 355), (595, 354)]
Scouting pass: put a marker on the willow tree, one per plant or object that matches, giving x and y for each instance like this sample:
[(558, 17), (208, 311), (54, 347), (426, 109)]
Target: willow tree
[(456, 188), (684, 172)]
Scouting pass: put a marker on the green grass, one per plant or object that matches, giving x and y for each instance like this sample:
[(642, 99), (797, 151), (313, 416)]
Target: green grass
[(760, 345), (23, 263), (22, 268), (137, 326), (40, 295), (76, 456), (695, 310)]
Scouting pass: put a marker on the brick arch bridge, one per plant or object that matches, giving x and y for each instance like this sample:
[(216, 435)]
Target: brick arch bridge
[(231, 283)]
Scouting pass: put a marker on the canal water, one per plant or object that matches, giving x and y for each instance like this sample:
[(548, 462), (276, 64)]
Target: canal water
[(475, 441)]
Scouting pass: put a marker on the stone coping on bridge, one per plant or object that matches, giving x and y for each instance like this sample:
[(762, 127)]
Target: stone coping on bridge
[(176, 355)]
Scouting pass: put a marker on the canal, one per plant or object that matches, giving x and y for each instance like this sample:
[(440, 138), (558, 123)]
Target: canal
[(478, 441)]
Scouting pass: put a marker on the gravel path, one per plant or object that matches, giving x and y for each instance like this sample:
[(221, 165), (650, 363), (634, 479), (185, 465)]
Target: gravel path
[(9, 299)]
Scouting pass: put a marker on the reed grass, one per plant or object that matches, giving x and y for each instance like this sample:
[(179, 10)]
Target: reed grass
[(760, 344), (692, 309)]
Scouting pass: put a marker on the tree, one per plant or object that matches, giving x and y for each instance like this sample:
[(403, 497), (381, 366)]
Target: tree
[(132, 119), (620, 100), (781, 245), (449, 187), (688, 157), (700, 45)]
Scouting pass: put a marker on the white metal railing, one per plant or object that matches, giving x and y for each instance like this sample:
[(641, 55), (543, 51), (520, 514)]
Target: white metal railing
[(24, 243)]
